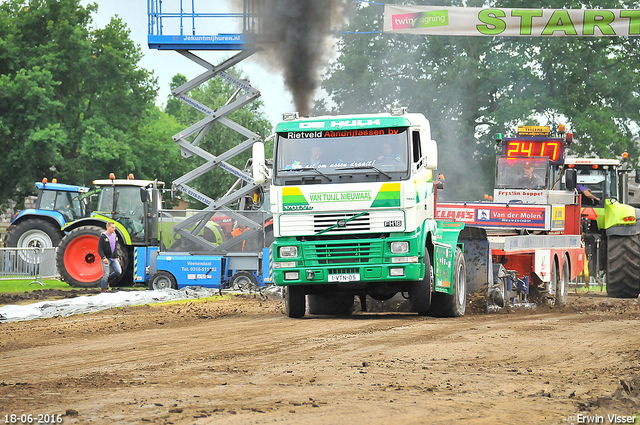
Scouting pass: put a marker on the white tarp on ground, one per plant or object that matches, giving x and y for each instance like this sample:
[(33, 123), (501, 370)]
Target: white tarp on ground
[(103, 301)]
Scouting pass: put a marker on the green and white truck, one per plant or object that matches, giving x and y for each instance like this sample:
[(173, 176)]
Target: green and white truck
[(353, 202)]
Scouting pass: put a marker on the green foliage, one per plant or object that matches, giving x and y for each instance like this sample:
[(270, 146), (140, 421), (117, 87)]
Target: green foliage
[(72, 98), (471, 88), (215, 94)]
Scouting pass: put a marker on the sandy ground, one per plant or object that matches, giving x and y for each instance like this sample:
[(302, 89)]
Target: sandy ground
[(240, 360)]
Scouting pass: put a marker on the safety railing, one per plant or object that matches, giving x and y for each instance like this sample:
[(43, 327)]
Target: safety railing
[(190, 24), (33, 264)]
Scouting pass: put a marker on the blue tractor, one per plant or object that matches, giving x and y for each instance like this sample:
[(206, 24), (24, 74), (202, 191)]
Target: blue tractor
[(57, 205)]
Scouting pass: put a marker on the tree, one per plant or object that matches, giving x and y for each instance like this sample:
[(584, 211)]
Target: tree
[(472, 88), (72, 99), (214, 94)]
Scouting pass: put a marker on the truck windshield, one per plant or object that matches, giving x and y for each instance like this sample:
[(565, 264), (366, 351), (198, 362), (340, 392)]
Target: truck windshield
[(521, 172), (363, 154)]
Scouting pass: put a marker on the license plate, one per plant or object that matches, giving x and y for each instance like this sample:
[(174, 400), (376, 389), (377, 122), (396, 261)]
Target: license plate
[(344, 277)]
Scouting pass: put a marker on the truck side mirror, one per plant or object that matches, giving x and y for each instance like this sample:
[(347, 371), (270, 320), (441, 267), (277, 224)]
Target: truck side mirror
[(431, 154), (637, 177), (258, 164), (143, 195), (571, 178)]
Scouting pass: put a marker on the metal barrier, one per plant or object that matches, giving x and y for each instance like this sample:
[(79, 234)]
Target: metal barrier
[(28, 263)]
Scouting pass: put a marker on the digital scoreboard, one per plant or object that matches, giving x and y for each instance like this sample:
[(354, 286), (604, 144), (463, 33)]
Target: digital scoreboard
[(553, 149), (535, 141)]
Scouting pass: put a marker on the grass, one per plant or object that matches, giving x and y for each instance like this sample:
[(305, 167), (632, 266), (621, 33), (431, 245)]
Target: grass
[(25, 285)]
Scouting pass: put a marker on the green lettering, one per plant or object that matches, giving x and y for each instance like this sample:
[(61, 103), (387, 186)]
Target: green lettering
[(526, 19), (634, 20), (491, 17), (598, 18), (559, 21)]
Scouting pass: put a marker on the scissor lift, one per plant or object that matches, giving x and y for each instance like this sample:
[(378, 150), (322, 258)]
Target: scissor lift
[(167, 20)]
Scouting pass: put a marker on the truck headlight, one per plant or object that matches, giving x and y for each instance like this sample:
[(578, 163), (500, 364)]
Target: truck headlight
[(288, 251), (396, 272), (284, 264), (291, 275), (399, 247)]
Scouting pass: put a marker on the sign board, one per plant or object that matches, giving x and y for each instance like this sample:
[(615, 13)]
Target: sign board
[(536, 217), (498, 21)]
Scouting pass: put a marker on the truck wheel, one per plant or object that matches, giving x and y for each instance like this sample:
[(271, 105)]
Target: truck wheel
[(420, 294), (78, 259), (34, 234), (562, 285), (294, 301), (331, 304), (453, 305), (162, 280), (623, 266), (243, 281)]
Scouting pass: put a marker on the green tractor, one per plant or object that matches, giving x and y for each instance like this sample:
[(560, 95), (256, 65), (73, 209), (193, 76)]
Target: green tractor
[(135, 207), (610, 226)]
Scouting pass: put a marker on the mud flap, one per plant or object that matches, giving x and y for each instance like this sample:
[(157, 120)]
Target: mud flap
[(477, 256), (444, 255)]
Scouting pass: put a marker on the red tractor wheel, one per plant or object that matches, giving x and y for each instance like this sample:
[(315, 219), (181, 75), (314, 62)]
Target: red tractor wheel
[(78, 259)]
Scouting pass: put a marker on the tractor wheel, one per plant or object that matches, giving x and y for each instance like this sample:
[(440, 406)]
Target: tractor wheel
[(78, 259), (294, 301), (623, 266), (331, 304), (453, 305), (34, 234), (162, 280), (421, 290)]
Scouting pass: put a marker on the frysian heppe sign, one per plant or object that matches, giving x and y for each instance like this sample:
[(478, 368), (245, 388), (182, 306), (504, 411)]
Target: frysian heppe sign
[(434, 20)]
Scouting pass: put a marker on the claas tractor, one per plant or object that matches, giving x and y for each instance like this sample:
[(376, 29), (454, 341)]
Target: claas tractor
[(134, 206), (610, 226)]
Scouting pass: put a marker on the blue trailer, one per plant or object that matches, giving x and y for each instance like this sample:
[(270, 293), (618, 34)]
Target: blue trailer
[(176, 270)]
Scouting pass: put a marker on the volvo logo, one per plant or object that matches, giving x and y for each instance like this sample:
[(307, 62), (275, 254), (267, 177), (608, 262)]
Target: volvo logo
[(342, 223)]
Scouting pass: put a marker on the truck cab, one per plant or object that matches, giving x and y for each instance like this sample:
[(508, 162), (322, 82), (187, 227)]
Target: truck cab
[(353, 201)]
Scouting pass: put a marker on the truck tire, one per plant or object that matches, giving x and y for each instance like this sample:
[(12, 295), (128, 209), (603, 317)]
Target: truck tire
[(623, 266), (294, 301), (454, 305), (34, 233), (331, 304), (421, 290), (162, 280), (78, 259)]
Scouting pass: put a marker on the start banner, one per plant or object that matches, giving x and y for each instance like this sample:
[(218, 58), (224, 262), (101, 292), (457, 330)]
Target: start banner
[(434, 20)]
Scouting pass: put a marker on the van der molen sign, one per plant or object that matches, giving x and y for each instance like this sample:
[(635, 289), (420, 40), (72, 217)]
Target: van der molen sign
[(498, 21)]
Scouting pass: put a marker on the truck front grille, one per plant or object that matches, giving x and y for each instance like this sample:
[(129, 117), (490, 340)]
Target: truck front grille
[(308, 224), (342, 253)]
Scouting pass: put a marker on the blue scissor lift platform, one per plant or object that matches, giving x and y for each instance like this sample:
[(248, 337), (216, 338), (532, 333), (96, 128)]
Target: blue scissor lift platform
[(186, 26)]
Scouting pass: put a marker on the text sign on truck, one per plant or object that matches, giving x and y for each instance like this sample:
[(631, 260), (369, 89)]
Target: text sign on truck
[(499, 21), (492, 215)]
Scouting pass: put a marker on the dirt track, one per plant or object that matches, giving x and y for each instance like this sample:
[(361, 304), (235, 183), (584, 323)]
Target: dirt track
[(241, 361)]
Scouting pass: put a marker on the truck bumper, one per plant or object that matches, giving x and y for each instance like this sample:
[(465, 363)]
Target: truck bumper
[(370, 274)]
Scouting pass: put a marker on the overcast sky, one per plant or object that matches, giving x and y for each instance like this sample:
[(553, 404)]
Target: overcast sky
[(166, 63)]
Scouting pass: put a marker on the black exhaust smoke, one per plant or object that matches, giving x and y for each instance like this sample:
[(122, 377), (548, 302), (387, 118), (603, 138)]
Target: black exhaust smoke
[(295, 36)]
